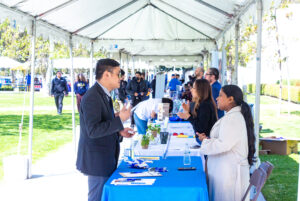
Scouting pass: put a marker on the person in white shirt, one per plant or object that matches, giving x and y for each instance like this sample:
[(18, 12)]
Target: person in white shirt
[(146, 110), (230, 148)]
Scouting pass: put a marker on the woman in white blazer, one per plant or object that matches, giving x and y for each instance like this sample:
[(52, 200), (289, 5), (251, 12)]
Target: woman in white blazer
[(230, 148)]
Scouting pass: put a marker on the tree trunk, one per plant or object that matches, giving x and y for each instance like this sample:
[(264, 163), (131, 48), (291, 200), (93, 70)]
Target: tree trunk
[(280, 62)]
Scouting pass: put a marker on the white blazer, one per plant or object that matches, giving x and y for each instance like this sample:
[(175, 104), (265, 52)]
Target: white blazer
[(227, 150)]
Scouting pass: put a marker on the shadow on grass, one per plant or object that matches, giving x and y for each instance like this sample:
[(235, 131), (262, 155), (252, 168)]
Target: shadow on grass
[(297, 113), (267, 130), (281, 183), (10, 123)]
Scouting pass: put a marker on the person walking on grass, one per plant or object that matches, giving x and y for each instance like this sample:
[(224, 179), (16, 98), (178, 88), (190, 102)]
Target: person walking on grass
[(59, 88)]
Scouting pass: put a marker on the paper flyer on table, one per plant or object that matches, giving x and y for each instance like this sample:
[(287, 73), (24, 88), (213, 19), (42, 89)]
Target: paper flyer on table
[(133, 182), (140, 174)]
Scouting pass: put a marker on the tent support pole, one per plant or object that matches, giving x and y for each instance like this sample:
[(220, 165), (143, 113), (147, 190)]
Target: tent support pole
[(258, 74), (223, 63), (29, 173), (236, 63), (92, 65), (127, 65), (72, 96), (132, 67)]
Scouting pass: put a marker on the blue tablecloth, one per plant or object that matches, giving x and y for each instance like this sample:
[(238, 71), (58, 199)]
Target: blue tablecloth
[(174, 185)]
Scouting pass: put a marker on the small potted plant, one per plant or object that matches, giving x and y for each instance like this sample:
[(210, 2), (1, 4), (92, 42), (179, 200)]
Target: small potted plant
[(145, 141), (154, 130)]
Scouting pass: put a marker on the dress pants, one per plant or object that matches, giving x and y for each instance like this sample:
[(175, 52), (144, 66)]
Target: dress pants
[(59, 102), (96, 184)]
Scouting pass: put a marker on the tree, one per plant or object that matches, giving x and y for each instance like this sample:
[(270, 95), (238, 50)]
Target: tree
[(271, 21), (13, 43)]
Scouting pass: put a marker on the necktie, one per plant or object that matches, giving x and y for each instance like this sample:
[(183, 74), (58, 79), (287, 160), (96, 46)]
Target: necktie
[(111, 106)]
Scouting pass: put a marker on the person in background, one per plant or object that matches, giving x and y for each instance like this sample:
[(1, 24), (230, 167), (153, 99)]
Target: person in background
[(80, 87), (187, 95), (146, 110), (172, 85), (28, 81), (147, 96), (122, 89), (230, 148), (153, 86), (199, 73), (137, 89), (101, 130), (178, 77), (203, 115), (212, 76), (58, 89)]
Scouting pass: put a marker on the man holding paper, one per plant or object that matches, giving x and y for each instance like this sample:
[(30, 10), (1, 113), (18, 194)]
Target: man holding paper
[(101, 130)]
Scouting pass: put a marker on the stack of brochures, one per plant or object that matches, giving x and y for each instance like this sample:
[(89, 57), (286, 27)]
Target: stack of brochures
[(132, 181), (140, 174)]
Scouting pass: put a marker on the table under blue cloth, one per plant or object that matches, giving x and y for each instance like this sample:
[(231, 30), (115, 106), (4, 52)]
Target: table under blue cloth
[(174, 185)]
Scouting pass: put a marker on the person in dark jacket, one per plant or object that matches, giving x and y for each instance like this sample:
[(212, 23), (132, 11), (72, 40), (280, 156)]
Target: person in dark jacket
[(204, 113), (58, 89), (153, 86), (80, 87), (137, 89), (187, 95), (100, 129), (122, 89)]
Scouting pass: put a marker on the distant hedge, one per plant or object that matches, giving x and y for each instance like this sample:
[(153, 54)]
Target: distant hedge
[(273, 90), (6, 88)]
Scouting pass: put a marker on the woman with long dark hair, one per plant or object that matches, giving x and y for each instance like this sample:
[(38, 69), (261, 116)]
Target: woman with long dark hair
[(230, 148), (204, 113)]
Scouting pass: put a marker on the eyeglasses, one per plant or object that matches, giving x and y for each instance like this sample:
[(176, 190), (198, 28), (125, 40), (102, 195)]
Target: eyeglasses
[(208, 74), (118, 74)]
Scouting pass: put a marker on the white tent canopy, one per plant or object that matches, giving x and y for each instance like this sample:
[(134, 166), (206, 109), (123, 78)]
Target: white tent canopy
[(143, 27), (6, 62)]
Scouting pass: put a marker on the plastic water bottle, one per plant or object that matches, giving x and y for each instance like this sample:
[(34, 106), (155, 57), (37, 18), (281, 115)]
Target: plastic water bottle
[(187, 155)]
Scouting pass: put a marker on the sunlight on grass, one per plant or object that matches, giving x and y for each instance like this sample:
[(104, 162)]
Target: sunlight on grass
[(50, 131)]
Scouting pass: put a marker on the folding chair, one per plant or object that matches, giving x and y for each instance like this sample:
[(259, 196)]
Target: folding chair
[(258, 179), (267, 167)]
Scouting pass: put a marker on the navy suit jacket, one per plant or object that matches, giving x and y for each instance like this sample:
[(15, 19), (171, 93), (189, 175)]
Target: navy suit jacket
[(99, 146)]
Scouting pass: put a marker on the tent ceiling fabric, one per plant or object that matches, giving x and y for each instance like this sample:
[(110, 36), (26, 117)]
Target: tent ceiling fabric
[(167, 21)]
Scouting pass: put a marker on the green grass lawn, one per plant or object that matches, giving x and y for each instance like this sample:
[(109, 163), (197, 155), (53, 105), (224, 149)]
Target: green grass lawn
[(282, 184), (50, 131)]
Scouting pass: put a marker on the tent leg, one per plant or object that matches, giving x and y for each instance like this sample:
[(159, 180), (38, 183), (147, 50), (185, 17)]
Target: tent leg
[(236, 63), (258, 74), (29, 173), (224, 82), (91, 67), (72, 96)]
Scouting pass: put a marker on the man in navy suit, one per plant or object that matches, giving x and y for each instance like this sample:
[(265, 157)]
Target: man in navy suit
[(101, 130)]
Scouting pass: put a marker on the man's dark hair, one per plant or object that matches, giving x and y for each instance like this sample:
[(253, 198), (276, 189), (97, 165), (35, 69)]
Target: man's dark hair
[(215, 72), (168, 100), (105, 65), (122, 72), (58, 71), (138, 72)]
